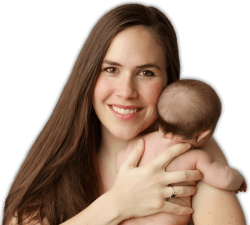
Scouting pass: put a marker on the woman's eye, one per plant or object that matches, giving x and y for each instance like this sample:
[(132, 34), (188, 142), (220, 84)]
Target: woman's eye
[(111, 69), (147, 73)]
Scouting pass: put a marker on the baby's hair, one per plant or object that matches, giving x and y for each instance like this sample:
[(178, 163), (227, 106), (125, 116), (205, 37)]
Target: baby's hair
[(187, 107)]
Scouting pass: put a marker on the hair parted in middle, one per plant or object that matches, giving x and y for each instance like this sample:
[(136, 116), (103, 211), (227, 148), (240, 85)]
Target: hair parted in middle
[(61, 168), (187, 107)]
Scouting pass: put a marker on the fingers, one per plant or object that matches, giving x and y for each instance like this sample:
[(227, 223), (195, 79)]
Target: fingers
[(179, 191), (135, 154), (243, 187), (182, 176), (167, 156), (170, 207)]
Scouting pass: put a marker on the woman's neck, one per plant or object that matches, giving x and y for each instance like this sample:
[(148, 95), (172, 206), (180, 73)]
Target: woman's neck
[(110, 145)]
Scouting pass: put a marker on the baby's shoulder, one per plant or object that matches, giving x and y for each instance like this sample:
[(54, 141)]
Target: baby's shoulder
[(195, 154), (187, 160)]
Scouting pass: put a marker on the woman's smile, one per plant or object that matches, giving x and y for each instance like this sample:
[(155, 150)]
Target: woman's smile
[(125, 112)]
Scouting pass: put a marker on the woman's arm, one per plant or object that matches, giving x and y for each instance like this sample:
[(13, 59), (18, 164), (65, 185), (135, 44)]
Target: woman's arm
[(212, 205)]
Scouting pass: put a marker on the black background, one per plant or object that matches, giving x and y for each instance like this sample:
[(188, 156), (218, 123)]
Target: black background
[(41, 44)]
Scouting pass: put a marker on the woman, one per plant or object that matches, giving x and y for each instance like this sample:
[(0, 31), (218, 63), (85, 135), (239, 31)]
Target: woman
[(67, 175)]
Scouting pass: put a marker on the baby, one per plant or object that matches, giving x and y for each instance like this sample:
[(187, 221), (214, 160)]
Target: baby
[(188, 111)]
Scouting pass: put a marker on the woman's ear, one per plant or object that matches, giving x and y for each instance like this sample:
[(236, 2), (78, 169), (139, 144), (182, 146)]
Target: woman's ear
[(202, 135)]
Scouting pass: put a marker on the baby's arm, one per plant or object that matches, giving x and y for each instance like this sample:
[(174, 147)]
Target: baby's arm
[(219, 176)]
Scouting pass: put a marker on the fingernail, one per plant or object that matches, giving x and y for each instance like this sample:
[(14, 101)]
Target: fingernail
[(187, 145), (139, 142)]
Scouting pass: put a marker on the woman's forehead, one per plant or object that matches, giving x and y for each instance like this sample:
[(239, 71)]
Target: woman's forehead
[(136, 45)]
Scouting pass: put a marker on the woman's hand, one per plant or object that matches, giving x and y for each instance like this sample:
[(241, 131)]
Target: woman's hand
[(143, 191)]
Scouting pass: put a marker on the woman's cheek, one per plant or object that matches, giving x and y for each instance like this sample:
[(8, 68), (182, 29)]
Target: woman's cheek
[(102, 89), (154, 93)]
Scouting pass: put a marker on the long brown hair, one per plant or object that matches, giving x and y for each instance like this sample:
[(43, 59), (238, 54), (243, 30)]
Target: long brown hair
[(60, 175)]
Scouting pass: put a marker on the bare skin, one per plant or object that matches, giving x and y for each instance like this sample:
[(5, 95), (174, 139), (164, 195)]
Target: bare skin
[(214, 173)]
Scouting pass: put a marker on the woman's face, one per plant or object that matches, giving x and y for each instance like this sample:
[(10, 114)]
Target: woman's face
[(132, 76)]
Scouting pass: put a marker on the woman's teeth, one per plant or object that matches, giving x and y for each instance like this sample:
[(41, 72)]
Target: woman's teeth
[(124, 111)]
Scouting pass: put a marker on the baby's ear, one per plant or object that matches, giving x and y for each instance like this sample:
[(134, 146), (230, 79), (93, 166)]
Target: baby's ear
[(161, 131), (169, 135), (202, 135)]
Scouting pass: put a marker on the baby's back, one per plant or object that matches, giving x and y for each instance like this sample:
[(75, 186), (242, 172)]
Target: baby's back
[(155, 145)]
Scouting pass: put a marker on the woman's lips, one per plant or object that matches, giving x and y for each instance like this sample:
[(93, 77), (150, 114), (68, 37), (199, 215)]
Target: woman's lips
[(127, 106), (125, 112)]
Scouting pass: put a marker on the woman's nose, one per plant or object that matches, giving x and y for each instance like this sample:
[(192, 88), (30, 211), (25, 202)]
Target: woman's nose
[(126, 88)]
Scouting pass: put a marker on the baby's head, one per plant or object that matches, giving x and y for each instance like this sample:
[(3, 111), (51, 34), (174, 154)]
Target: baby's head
[(188, 111)]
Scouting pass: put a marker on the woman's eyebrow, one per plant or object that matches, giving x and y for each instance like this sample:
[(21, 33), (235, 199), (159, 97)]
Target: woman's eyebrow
[(148, 65), (111, 63)]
